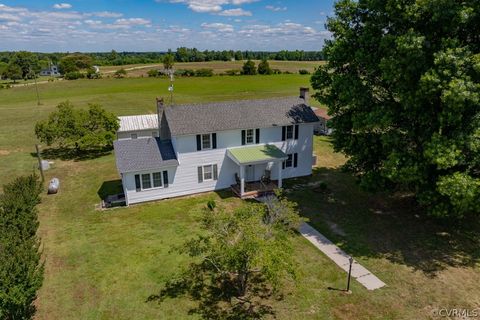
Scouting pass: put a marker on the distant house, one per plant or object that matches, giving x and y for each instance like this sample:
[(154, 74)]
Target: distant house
[(248, 145), (321, 127), (51, 71)]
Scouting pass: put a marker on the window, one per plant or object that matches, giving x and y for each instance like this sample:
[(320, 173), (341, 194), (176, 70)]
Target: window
[(157, 179), (151, 180), (207, 173), (289, 161), (292, 161), (206, 141), (133, 136), (250, 136), (289, 130), (146, 181)]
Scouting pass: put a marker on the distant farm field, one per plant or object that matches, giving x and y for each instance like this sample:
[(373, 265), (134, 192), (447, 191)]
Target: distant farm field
[(218, 67)]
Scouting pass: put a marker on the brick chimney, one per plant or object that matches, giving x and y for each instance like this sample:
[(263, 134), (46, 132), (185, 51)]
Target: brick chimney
[(160, 108), (304, 94)]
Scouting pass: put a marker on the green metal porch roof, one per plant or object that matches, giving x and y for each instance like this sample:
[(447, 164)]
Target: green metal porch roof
[(256, 154)]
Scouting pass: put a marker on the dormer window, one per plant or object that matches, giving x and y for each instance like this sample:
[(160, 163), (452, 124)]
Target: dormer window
[(250, 136), (206, 141), (289, 132), (134, 136)]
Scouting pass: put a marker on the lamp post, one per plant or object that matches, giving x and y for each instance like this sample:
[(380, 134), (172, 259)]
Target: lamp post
[(349, 273)]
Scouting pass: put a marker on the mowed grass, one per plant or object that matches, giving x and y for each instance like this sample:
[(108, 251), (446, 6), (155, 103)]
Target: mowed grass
[(105, 264), (19, 110), (218, 67)]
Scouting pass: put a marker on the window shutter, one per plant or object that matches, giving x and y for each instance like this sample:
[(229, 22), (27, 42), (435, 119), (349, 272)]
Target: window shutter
[(200, 175), (215, 172), (214, 141), (243, 137), (295, 160), (257, 136), (284, 129), (296, 132), (283, 164), (165, 179), (138, 187), (199, 142)]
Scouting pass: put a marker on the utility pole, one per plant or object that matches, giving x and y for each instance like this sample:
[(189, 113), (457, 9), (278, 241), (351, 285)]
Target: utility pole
[(37, 147), (170, 88)]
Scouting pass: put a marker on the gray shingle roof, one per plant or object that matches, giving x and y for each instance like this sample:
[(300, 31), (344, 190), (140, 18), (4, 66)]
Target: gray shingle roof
[(239, 114), (143, 154)]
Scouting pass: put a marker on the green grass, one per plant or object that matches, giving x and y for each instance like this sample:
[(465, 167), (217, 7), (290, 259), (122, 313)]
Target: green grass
[(19, 111), (105, 264)]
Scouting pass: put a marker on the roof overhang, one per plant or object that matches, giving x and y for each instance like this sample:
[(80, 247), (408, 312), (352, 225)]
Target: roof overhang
[(256, 154)]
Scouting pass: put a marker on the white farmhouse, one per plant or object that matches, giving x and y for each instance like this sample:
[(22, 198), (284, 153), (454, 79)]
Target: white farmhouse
[(52, 71), (247, 145)]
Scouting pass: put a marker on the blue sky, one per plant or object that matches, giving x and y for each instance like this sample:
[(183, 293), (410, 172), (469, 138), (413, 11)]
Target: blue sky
[(157, 25)]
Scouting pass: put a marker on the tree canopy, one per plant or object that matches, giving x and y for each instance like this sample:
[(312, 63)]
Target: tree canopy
[(77, 128), (75, 62), (249, 68), (402, 85), (264, 67), (21, 271), (239, 258)]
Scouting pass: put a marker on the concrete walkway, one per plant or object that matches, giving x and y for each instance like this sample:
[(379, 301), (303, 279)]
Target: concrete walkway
[(365, 277)]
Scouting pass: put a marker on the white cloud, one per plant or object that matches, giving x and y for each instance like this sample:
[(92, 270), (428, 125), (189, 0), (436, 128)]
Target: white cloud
[(210, 6), (9, 17), (60, 30), (62, 6), (235, 13), (221, 27), (107, 14), (132, 21), (276, 9)]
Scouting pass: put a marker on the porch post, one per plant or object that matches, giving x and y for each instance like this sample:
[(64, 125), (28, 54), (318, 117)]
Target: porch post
[(279, 164), (242, 180)]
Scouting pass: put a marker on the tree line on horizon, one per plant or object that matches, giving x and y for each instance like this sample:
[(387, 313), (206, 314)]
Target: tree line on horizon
[(182, 54)]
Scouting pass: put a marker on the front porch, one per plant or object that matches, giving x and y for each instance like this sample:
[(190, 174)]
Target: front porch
[(255, 189), (255, 164)]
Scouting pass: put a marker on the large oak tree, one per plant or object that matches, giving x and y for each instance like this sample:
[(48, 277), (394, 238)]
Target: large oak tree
[(402, 85)]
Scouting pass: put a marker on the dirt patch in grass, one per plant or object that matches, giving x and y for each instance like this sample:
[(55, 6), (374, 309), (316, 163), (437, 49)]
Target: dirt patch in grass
[(4, 152)]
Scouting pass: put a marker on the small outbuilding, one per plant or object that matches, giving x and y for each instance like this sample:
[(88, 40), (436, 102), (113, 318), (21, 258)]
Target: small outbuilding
[(321, 127)]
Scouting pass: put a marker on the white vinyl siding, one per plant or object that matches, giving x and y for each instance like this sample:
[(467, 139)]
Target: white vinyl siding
[(184, 179)]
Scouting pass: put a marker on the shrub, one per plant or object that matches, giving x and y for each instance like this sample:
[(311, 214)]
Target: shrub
[(249, 68), (277, 71), (74, 75), (185, 72), (153, 73), (121, 73), (303, 71), (211, 204), (287, 72), (204, 73), (264, 67), (233, 72)]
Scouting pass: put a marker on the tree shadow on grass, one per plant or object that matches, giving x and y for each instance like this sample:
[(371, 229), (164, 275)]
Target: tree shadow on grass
[(217, 302), (392, 226), (109, 188), (72, 154)]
